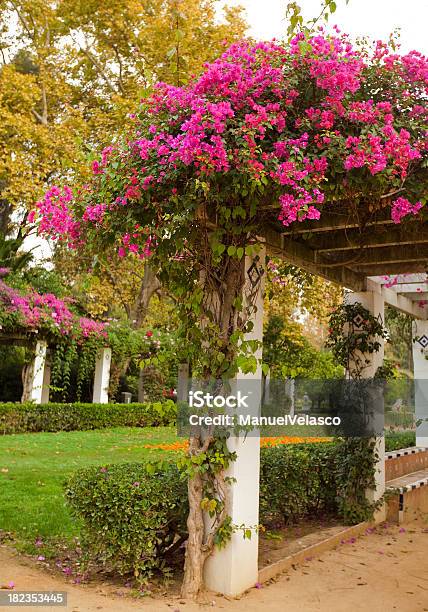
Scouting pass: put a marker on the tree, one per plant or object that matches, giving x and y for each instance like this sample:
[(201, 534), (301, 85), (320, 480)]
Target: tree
[(123, 46), (303, 301), (297, 23), (72, 71), (35, 147), (400, 342), (289, 353), (264, 135)]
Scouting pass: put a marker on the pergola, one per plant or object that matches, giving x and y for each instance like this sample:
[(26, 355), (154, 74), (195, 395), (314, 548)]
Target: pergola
[(38, 377), (380, 263), (361, 252)]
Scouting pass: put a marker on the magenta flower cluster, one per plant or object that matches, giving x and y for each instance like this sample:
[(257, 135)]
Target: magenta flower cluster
[(315, 121), (56, 215), (35, 311), (402, 207)]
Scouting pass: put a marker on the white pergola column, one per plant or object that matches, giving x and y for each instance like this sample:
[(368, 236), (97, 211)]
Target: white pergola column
[(375, 304), (420, 373), (46, 382), (102, 376), (233, 569), (37, 372)]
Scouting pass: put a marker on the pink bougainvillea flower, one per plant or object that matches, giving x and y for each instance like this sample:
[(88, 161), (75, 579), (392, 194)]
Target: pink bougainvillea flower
[(46, 312), (251, 129), (401, 207)]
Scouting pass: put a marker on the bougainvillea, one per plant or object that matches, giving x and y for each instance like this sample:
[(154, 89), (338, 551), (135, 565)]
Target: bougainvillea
[(287, 127), (44, 313)]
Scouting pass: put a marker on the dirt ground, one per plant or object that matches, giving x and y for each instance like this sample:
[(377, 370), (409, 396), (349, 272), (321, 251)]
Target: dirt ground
[(382, 571)]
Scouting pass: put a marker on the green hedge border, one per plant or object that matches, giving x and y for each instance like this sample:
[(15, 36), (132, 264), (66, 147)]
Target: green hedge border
[(31, 418)]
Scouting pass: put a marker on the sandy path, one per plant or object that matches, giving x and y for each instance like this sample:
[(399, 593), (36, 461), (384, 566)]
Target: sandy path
[(383, 572)]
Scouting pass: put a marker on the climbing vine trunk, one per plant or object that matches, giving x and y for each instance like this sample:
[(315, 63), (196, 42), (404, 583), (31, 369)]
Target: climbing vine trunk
[(27, 375), (195, 557)]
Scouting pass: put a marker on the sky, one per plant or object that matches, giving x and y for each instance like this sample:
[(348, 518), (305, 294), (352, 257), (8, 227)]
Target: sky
[(375, 18)]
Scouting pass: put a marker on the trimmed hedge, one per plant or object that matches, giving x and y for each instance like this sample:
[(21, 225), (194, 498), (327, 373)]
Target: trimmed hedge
[(402, 419), (316, 479), (23, 418), (131, 528), (297, 481)]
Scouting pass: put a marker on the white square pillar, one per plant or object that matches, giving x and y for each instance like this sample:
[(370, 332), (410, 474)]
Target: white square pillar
[(375, 304), (46, 383), (37, 373), (420, 374), (234, 568), (102, 376)]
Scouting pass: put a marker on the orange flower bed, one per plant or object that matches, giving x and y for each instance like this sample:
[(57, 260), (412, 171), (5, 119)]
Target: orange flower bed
[(183, 445), (172, 446), (290, 440)]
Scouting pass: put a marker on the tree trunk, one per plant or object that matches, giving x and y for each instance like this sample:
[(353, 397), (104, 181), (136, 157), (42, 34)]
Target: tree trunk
[(141, 394), (149, 285)]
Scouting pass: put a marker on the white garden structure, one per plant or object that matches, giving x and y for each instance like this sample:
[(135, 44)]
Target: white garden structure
[(379, 263)]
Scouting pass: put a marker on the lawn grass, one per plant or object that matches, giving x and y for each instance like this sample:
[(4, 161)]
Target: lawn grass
[(33, 468)]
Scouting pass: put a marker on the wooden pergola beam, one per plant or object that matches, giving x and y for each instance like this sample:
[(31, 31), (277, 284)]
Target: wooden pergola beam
[(331, 242), (400, 302), (16, 340), (360, 255), (368, 256), (405, 278), (410, 288), (302, 256), (415, 296), (337, 220), (380, 269)]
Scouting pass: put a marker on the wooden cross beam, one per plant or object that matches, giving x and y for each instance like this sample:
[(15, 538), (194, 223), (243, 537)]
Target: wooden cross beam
[(351, 239)]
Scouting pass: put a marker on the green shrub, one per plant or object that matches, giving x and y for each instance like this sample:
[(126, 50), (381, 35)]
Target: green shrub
[(22, 418), (402, 419), (132, 529), (312, 479), (134, 518), (295, 481), (400, 439)]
